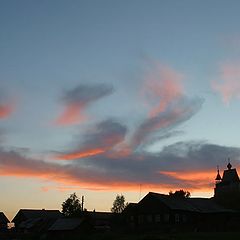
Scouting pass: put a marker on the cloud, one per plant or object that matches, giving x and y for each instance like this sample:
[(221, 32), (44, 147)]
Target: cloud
[(162, 86), (165, 121), (101, 138), (168, 108), (168, 105), (188, 165), (76, 101), (106, 156), (6, 109), (228, 85)]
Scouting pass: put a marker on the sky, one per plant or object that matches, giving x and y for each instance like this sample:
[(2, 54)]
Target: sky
[(116, 97)]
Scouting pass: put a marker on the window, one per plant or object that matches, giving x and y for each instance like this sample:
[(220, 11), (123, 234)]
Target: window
[(140, 219), (166, 217), (149, 218), (184, 218), (177, 218), (157, 218)]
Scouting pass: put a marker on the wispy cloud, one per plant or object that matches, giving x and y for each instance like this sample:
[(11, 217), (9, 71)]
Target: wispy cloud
[(76, 101), (168, 107), (162, 85), (100, 138), (167, 120), (168, 104), (228, 84)]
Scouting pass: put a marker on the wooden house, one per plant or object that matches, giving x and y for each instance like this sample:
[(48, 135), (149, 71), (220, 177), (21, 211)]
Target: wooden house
[(164, 212), (35, 220)]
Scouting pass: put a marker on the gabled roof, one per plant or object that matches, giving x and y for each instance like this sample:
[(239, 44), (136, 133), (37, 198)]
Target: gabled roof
[(63, 224), (173, 202), (3, 218), (203, 205), (131, 207), (207, 205), (38, 213), (28, 224)]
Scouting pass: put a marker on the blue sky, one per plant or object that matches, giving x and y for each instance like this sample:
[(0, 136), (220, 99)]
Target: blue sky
[(151, 80)]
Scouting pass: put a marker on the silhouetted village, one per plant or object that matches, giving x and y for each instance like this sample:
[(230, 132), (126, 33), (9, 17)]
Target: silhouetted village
[(156, 212)]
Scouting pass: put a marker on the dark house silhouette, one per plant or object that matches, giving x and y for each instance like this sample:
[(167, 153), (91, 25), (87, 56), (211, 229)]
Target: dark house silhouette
[(3, 222), (66, 228), (165, 212), (88, 222), (168, 212), (35, 220)]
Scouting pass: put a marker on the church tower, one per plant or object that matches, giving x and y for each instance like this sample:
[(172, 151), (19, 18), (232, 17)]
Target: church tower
[(227, 188)]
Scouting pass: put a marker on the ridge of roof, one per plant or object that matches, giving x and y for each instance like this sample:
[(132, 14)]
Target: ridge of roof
[(3, 218), (198, 204)]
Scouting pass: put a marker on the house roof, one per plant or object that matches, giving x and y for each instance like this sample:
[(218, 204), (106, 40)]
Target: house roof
[(173, 202), (38, 213), (63, 224), (28, 224), (131, 207), (206, 205), (203, 205), (3, 218)]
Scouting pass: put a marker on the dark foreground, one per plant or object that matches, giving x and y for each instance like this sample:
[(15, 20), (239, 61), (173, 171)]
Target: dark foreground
[(148, 236)]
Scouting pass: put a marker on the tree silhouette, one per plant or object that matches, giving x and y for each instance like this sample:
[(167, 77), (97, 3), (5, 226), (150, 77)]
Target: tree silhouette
[(119, 204), (180, 194), (71, 207)]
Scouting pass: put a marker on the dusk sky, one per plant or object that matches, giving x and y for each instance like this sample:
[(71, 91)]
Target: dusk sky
[(116, 97)]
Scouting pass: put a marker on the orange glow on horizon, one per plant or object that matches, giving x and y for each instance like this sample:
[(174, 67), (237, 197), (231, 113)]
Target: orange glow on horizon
[(68, 181), (191, 176)]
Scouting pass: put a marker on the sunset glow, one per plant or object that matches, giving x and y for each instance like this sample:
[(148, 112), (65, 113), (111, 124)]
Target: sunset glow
[(77, 155), (108, 97)]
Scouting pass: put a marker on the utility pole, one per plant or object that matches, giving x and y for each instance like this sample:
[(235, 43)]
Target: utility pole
[(82, 202)]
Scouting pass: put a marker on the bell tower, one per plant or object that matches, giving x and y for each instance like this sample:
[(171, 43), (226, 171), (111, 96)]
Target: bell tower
[(227, 187)]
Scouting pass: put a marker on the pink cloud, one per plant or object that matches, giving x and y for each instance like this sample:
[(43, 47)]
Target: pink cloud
[(72, 114), (76, 100), (80, 154), (228, 85), (103, 137), (6, 109), (168, 105), (162, 86)]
